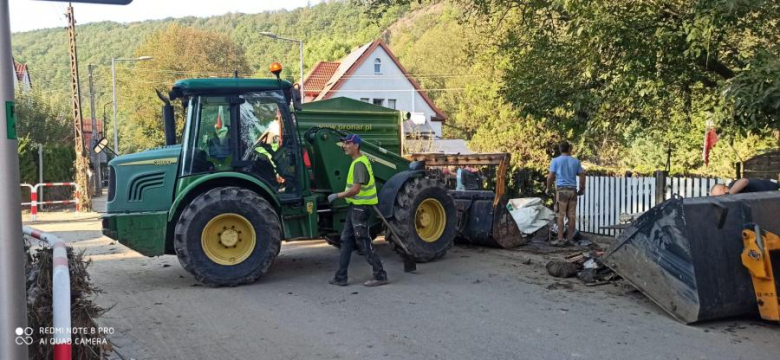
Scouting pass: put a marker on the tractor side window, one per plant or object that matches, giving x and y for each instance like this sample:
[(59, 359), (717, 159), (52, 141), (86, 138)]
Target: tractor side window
[(259, 135), (212, 141), (263, 135), (260, 125)]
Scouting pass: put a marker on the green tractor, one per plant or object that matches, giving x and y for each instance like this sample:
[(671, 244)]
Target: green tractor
[(253, 168)]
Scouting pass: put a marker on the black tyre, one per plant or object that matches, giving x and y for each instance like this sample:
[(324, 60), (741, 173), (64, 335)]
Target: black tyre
[(227, 236), (425, 218)]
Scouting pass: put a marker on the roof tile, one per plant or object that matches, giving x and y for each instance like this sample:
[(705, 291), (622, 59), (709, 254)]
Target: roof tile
[(319, 77)]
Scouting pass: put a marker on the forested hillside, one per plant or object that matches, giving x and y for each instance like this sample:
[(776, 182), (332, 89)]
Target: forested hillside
[(330, 31), (508, 79)]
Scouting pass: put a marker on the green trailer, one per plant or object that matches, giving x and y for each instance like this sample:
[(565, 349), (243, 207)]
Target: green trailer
[(253, 168), (378, 125)]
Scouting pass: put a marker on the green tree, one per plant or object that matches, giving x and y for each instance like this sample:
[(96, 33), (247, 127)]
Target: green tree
[(613, 74), (183, 53), (41, 121)]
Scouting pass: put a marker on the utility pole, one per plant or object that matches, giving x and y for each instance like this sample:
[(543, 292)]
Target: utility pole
[(113, 82), (40, 173), (113, 87), (13, 294), (85, 200), (95, 157)]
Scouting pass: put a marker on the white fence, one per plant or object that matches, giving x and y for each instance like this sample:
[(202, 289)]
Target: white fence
[(607, 197)]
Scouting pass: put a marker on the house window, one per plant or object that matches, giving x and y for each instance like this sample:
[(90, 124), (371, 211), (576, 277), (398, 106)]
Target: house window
[(391, 103), (379, 102), (365, 100), (377, 66)]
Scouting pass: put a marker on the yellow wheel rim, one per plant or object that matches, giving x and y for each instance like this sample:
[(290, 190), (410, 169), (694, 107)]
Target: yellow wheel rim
[(430, 220), (228, 239)]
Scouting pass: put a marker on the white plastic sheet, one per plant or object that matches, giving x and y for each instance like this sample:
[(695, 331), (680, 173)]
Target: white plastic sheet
[(529, 214)]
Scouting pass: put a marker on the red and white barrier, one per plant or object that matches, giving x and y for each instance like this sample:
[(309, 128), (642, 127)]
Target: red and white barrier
[(31, 191), (35, 202), (60, 292)]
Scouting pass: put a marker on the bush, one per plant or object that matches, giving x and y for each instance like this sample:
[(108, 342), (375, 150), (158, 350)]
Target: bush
[(57, 166)]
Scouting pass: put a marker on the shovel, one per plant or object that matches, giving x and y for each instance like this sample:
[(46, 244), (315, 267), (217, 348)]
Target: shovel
[(409, 263)]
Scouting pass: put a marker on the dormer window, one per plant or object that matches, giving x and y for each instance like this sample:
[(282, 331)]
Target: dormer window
[(377, 66)]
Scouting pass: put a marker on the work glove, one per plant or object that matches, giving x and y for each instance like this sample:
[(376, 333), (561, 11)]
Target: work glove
[(332, 198)]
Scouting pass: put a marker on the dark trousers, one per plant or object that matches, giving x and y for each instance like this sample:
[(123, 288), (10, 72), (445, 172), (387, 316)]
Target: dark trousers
[(356, 234)]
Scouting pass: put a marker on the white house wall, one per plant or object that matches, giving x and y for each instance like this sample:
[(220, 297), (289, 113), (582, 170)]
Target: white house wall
[(390, 84), (27, 83), (13, 71)]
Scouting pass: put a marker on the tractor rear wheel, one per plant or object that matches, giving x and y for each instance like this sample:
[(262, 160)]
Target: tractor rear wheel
[(227, 236), (425, 218)]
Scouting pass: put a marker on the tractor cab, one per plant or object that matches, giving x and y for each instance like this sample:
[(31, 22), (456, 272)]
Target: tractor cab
[(244, 126)]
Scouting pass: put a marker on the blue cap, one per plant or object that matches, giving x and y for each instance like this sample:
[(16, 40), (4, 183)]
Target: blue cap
[(353, 138)]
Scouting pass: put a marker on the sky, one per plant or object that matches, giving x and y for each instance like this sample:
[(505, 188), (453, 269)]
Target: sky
[(33, 14)]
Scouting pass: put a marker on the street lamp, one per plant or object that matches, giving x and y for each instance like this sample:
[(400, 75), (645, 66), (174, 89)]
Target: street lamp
[(300, 43), (113, 81)]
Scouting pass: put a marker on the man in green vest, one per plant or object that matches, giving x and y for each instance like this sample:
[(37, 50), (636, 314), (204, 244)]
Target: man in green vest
[(360, 194)]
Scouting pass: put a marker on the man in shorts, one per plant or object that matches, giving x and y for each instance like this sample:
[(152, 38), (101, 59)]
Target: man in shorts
[(564, 170)]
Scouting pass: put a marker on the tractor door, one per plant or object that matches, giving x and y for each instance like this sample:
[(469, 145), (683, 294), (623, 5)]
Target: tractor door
[(268, 146), (249, 133)]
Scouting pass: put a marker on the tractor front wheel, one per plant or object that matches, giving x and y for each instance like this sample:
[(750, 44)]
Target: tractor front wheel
[(227, 236), (425, 217)]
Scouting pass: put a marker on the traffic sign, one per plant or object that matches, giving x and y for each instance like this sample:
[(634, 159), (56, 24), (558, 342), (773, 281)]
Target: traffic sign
[(10, 120)]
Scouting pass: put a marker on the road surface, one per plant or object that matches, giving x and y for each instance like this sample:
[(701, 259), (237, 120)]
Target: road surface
[(476, 303)]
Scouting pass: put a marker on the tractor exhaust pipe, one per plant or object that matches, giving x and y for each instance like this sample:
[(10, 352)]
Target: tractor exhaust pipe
[(169, 123)]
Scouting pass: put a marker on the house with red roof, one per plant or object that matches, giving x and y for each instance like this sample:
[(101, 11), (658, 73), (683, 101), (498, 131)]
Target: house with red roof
[(371, 73), (21, 76)]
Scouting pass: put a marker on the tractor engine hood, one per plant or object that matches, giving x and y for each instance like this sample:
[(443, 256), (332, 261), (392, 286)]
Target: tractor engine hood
[(143, 181), (156, 156)]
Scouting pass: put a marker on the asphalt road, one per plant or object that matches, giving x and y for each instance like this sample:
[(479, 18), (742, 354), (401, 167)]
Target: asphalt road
[(475, 303)]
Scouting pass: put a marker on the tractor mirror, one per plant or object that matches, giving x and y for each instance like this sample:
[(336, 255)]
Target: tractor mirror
[(100, 146), (296, 97), (169, 122)]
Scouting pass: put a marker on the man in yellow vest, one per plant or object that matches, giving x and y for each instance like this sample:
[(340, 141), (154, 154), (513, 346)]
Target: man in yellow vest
[(360, 194)]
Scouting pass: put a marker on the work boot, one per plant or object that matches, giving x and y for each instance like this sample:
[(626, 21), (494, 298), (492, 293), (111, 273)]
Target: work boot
[(338, 282), (375, 282), (559, 242)]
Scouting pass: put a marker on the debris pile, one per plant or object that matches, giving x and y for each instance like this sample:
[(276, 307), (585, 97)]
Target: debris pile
[(86, 346), (586, 266)]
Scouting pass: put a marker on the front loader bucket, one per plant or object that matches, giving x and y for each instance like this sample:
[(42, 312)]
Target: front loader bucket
[(684, 254), (480, 223)]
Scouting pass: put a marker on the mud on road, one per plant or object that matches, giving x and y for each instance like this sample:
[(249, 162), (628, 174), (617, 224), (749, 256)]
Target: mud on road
[(476, 303)]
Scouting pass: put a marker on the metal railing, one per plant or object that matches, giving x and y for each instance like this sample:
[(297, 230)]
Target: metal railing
[(60, 292), (32, 188), (34, 203)]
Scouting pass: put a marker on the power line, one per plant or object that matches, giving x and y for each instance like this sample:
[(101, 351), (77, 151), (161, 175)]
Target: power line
[(223, 72), (370, 76)]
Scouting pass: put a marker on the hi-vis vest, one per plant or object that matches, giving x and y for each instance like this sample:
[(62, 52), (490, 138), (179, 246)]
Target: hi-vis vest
[(262, 151), (367, 194)]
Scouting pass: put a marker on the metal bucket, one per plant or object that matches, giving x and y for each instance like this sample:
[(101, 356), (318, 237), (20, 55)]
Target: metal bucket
[(684, 254), (480, 223)]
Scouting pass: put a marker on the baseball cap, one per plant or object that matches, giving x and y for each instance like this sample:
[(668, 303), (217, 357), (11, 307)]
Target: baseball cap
[(353, 138)]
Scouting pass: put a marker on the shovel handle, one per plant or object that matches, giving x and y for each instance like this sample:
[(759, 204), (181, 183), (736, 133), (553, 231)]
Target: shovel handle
[(409, 264), (396, 239)]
